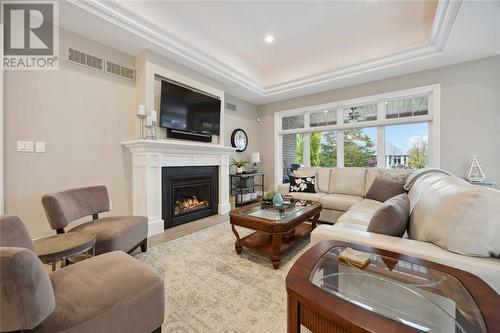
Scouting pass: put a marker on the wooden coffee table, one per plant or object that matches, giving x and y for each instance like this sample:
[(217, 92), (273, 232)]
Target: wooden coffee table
[(275, 231), (394, 293)]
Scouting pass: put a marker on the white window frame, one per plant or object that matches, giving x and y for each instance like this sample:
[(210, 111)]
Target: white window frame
[(432, 119)]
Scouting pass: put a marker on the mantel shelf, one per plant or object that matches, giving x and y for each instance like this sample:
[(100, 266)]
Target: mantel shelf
[(177, 145)]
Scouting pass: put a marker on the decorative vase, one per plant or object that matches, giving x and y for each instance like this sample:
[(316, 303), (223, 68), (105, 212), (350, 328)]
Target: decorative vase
[(239, 170), (278, 200)]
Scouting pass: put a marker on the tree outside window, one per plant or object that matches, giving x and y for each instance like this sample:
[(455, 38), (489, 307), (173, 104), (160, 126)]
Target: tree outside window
[(359, 148)]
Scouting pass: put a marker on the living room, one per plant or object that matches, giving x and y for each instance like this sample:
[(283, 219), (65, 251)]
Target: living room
[(206, 163)]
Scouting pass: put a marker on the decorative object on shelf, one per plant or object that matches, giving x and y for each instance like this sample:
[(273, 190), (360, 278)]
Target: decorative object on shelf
[(255, 158), (141, 114), (239, 165), (475, 173), (277, 200), (239, 140)]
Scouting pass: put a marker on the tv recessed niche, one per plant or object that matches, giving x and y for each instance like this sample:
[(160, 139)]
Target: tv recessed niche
[(187, 113)]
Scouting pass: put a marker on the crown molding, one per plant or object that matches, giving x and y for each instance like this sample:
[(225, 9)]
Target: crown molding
[(118, 14)]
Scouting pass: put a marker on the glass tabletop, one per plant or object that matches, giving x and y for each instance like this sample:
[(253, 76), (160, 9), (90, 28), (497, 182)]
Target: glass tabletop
[(274, 213), (420, 297)]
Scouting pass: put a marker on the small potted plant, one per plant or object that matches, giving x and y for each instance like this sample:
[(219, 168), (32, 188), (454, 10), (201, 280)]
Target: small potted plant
[(239, 165)]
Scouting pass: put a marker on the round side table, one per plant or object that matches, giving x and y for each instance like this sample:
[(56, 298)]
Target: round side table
[(58, 247)]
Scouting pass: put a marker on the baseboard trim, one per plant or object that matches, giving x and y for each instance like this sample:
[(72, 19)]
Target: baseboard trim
[(155, 227), (224, 208)]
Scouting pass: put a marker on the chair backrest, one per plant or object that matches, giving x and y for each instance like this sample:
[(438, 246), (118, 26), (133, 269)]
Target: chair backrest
[(64, 207), (13, 233), (26, 294)]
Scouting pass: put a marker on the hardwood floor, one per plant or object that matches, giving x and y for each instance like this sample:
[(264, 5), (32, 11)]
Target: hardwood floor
[(186, 229)]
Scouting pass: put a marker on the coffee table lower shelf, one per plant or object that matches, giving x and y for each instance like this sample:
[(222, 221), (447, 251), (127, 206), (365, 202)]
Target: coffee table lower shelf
[(273, 245), (263, 242)]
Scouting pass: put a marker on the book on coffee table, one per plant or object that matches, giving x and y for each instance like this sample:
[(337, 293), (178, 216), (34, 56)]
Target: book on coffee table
[(357, 258)]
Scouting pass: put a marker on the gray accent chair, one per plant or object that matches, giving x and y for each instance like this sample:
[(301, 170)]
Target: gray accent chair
[(112, 292), (123, 233)]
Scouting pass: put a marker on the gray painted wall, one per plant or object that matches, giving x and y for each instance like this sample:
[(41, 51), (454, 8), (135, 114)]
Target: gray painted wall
[(470, 112)]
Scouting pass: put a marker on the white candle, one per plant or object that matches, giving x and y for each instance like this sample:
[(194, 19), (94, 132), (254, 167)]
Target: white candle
[(149, 121), (154, 115), (141, 110)]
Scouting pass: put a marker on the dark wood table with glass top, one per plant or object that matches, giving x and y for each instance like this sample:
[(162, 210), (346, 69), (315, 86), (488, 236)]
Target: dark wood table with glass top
[(275, 229), (51, 249), (393, 293)]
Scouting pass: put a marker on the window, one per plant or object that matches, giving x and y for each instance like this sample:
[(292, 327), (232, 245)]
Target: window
[(323, 118), (408, 107), (406, 146), (360, 147), (393, 130), (292, 153), (360, 113), (293, 122), (323, 148)]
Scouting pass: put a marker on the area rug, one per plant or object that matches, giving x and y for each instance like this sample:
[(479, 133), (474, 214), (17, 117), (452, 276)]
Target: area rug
[(209, 288)]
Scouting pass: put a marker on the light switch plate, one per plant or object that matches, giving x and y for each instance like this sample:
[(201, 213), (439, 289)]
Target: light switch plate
[(25, 146), (40, 147)]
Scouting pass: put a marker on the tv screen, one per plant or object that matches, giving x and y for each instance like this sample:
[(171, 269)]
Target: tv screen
[(185, 109)]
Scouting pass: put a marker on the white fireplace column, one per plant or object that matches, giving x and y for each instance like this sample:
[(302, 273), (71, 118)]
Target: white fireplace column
[(148, 159)]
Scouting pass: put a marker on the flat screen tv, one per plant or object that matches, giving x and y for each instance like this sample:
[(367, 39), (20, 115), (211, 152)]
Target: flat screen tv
[(185, 109)]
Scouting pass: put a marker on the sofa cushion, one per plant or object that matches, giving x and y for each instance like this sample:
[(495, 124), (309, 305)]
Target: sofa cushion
[(112, 292), (341, 202), (359, 215), (116, 232), (347, 181), (392, 217), (303, 184), (382, 190), (306, 196), (455, 215)]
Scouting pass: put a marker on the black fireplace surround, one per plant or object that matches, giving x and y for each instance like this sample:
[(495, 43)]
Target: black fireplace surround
[(189, 193)]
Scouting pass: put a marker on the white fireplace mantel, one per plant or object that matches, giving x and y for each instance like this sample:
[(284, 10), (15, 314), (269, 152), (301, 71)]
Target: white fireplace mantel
[(149, 156)]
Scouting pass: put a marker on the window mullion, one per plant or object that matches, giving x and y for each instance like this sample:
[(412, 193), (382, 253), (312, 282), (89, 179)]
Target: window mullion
[(381, 111)]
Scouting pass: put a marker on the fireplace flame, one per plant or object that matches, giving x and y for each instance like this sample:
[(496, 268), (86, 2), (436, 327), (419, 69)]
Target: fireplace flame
[(190, 204)]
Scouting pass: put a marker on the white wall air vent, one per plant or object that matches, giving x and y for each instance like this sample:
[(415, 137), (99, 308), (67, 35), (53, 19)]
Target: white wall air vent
[(119, 70), (94, 62), (231, 107), (84, 59)]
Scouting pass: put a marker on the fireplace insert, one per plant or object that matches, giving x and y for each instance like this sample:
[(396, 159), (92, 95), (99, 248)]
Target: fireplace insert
[(188, 193)]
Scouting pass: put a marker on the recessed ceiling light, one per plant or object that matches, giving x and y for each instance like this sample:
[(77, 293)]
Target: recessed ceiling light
[(269, 39)]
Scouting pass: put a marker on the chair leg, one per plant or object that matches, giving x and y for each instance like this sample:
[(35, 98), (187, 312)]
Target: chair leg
[(158, 330), (144, 248)]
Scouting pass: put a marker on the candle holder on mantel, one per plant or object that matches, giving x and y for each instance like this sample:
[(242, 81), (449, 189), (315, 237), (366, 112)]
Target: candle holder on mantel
[(151, 131), (141, 117)]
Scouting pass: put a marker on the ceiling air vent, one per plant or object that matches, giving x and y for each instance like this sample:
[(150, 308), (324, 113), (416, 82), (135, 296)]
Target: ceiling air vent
[(231, 107), (119, 70), (91, 61)]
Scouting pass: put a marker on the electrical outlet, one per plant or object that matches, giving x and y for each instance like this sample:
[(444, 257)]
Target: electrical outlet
[(40, 147), (25, 146)]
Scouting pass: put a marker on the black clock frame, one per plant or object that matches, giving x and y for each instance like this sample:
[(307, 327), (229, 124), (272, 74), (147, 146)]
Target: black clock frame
[(234, 144)]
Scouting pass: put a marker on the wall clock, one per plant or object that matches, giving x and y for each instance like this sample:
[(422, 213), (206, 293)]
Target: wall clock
[(239, 140)]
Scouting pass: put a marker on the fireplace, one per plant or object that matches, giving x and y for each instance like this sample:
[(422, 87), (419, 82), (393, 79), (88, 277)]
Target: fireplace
[(188, 193)]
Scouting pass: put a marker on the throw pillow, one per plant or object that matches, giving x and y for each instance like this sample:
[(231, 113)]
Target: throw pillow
[(308, 172), (302, 184), (392, 218), (382, 190)]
